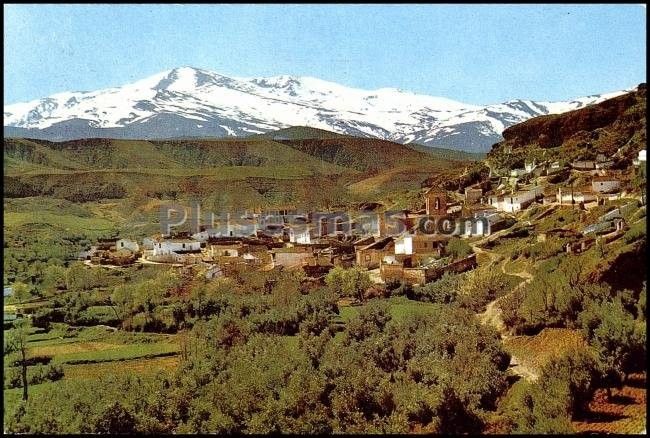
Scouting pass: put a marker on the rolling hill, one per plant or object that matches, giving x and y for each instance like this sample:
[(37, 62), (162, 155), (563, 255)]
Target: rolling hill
[(301, 166)]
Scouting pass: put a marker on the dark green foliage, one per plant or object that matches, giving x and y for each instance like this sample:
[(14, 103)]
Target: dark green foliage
[(439, 374), (563, 390), (443, 291), (458, 248)]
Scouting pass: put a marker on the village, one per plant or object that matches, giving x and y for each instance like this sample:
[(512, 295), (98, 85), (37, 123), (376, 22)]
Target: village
[(409, 246)]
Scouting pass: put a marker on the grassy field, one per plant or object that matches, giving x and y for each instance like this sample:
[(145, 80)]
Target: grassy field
[(92, 352), (400, 309), (65, 221), (134, 366)]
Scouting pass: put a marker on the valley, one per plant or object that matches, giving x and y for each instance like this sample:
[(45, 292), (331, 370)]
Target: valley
[(532, 323)]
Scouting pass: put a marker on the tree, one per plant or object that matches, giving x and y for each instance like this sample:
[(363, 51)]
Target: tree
[(116, 418), (53, 279), (351, 282), (22, 292), (17, 342), (458, 248), (616, 336)]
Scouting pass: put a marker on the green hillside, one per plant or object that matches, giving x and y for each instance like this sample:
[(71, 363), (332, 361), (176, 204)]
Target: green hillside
[(447, 154)]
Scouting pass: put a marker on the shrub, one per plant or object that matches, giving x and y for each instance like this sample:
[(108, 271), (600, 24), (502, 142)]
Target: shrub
[(458, 248)]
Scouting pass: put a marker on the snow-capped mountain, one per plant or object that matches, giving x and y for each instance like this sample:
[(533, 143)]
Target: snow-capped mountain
[(188, 102)]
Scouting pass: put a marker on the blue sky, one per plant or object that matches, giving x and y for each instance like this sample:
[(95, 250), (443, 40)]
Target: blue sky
[(472, 53)]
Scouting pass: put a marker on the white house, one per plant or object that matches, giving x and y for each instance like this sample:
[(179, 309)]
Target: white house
[(517, 201), (127, 244), (167, 247), (605, 184), (404, 244), (530, 166), (641, 158), (481, 227), (554, 167), (300, 234), (148, 243), (518, 172), (575, 197)]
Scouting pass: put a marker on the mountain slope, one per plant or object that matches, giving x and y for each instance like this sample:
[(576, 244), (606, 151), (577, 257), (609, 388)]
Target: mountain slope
[(615, 128), (189, 102)]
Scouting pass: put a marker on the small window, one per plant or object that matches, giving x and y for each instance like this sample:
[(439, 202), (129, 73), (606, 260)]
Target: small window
[(367, 257)]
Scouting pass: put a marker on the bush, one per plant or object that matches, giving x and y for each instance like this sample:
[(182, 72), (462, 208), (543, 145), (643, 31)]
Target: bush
[(458, 248), (13, 378), (443, 291)]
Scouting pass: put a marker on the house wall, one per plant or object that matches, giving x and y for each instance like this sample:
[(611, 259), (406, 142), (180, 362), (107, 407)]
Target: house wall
[(473, 195), (605, 186), (404, 245), (300, 236), (168, 247), (369, 258), (127, 244), (291, 259), (225, 251)]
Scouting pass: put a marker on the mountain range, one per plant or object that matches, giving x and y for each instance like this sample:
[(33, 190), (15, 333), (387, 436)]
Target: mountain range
[(190, 102)]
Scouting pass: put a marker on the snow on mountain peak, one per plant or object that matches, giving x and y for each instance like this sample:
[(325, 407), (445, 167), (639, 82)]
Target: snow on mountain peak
[(191, 101)]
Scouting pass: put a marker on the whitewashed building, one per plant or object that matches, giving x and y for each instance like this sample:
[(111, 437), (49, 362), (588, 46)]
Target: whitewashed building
[(168, 247), (516, 201), (300, 234), (605, 184), (127, 244), (568, 196), (404, 244)]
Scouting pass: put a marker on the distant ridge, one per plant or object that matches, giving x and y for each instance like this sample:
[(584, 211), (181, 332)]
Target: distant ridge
[(188, 102)]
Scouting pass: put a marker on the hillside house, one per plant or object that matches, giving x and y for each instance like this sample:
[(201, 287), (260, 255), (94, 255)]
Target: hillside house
[(369, 223), (483, 224), (420, 244), (605, 184), (419, 275), (517, 201), (516, 173), (371, 255), (453, 208), (300, 234), (473, 194), (106, 244), (177, 246), (554, 167), (529, 166), (214, 272), (127, 244), (575, 196), (148, 243), (293, 257), (583, 165), (225, 250)]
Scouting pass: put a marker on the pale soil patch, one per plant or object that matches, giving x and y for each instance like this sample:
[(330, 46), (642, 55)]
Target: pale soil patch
[(533, 352)]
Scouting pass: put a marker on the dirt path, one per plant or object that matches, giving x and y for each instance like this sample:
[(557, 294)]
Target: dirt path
[(492, 313)]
